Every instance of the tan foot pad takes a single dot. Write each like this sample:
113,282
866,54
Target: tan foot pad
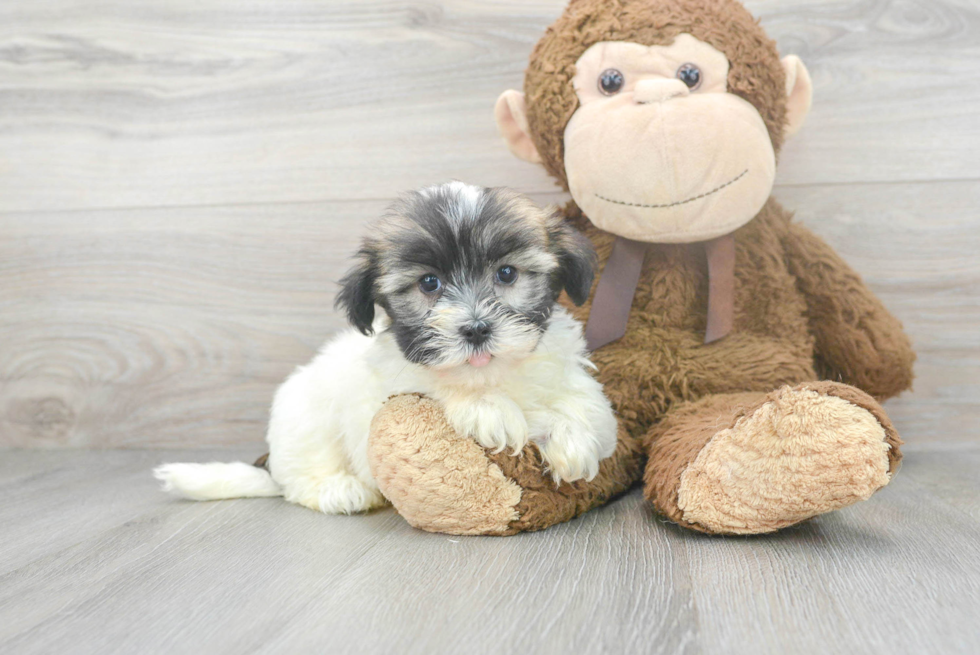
798,455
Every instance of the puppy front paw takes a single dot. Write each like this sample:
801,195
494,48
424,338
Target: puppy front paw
495,422
571,452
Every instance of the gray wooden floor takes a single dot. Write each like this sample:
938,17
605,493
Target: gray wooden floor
93,559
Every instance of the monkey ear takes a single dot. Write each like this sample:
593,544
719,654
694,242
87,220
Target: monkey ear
511,115
356,297
799,93
577,260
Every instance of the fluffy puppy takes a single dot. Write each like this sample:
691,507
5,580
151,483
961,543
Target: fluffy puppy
467,279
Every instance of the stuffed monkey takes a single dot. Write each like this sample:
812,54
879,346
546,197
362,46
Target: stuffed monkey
744,358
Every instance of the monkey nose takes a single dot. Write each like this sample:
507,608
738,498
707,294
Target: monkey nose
661,90
476,332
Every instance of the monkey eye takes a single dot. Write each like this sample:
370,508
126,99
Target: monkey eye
507,275
690,75
610,81
430,283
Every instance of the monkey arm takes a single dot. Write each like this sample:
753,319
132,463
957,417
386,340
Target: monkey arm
857,340
442,482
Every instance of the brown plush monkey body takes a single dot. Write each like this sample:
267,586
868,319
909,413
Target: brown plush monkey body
751,433
798,309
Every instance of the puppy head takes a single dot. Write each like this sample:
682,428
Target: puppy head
466,274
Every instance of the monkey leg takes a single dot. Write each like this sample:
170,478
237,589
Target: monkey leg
442,482
753,463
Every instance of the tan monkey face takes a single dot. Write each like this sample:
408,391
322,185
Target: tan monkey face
658,150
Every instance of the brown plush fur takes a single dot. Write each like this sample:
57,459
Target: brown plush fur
543,504
792,294
799,310
801,314
857,340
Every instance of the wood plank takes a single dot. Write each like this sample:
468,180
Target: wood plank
551,592
877,111
220,102
163,326
134,563
899,573
957,486
52,491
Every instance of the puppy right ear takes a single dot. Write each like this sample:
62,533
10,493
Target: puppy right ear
356,297
577,259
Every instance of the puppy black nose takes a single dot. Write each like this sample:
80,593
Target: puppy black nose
476,332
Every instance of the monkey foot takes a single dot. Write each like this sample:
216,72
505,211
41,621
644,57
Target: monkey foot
789,456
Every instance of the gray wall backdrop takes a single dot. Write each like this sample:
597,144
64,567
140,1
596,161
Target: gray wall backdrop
181,183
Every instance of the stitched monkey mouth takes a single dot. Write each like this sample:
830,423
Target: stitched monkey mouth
680,202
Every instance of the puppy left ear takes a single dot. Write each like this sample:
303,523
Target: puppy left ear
356,297
576,260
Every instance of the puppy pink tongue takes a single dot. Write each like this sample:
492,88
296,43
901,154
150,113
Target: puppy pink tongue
480,359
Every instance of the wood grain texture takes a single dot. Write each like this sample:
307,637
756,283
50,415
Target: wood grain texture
111,104
181,186
163,326
172,327
123,568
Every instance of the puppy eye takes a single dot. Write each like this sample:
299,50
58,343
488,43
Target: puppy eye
430,283
611,82
690,75
507,275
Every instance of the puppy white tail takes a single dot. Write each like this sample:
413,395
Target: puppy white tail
216,481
